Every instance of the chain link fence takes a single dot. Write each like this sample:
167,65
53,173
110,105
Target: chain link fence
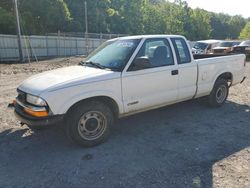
51,46
89,35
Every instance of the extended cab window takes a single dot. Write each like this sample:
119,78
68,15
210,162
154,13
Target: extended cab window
182,51
156,52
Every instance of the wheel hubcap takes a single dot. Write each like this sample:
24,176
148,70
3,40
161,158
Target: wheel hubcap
221,94
92,125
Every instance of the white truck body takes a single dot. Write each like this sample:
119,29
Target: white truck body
134,91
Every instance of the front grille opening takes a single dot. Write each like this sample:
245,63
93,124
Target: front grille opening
21,96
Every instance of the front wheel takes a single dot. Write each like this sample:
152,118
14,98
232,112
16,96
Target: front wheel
219,94
89,123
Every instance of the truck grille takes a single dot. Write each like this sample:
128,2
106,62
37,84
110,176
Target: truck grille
218,51
21,96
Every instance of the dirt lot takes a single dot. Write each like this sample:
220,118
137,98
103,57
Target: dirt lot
184,145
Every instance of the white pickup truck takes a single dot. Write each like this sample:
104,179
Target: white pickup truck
124,76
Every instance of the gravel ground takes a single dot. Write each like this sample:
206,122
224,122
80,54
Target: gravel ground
183,145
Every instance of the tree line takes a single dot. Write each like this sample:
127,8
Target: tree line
122,17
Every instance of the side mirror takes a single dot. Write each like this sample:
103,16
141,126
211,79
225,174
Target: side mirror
141,63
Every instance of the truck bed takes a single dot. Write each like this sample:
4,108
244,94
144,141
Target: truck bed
204,56
210,67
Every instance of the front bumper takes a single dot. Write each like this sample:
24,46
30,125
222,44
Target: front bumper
36,121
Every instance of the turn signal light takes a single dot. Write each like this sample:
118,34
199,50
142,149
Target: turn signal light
14,102
36,113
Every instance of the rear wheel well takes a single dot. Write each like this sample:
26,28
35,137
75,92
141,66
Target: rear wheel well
226,76
104,99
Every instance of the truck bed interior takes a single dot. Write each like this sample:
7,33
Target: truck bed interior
204,56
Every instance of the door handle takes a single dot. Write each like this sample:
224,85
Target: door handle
175,72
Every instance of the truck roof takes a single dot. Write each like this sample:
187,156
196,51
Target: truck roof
210,41
147,36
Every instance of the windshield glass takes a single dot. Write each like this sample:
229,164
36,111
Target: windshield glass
226,44
114,54
200,45
245,43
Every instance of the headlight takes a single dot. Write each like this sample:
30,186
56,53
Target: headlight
35,100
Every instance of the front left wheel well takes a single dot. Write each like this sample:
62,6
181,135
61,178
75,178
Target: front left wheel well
104,99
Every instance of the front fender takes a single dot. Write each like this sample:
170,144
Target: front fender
62,106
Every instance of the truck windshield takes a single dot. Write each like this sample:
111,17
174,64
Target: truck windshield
226,44
200,45
245,43
113,54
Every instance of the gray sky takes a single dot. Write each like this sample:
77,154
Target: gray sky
232,7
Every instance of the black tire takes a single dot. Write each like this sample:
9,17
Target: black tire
89,123
219,94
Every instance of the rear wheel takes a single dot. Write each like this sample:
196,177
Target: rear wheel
219,94
89,123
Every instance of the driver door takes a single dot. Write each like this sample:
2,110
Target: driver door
154,86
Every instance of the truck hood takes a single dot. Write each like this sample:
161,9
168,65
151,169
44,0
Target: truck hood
221,48
64,77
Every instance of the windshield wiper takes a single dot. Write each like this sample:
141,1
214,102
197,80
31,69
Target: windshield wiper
93,64
98,65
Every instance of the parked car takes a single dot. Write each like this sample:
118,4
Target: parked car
205,46
225,47
124,76
243,47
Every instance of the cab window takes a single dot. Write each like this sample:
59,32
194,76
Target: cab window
182,50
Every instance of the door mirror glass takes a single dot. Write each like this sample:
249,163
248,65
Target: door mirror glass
141,63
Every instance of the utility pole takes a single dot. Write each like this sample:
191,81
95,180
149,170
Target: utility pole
86,27
21,57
